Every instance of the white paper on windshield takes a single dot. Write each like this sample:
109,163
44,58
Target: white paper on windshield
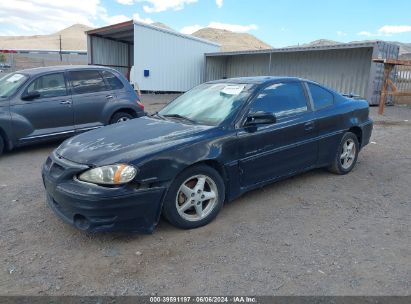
233,89
15,78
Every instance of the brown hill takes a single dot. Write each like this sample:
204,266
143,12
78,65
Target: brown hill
231,41
72,38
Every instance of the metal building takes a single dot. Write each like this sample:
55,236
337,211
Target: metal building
163,60
347,68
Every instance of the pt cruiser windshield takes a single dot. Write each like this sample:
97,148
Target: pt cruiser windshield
9,84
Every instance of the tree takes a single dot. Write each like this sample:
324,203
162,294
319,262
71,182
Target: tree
2,58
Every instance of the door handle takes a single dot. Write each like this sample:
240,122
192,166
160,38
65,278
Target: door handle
308,126
66,102
109,97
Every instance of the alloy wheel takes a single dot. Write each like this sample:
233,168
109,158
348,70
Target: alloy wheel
122,119
196,198
347,156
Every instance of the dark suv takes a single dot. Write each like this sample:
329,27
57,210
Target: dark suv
55,102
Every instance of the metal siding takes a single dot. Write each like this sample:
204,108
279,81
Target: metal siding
342,70
381,50
108,52
216,68
175,62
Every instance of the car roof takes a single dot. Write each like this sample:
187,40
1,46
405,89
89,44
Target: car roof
57,68
255,79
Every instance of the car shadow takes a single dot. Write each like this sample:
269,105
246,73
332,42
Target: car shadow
164,228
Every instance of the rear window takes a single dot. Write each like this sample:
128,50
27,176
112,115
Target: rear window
321,97
112,80
88,81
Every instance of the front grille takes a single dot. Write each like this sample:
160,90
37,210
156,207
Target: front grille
59,168
56,170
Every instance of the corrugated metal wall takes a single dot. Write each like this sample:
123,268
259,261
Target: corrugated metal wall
110,53
346,70
343,70
381,50
175,62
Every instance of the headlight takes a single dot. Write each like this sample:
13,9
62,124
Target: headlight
109,175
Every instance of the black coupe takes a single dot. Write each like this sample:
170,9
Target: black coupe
207,147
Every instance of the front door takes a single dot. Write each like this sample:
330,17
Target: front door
50,113
285,147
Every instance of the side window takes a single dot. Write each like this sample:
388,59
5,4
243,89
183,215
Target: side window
321,98
87,81
112,80
282,99
50,85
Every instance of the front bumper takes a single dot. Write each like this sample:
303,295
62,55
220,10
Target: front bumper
94,208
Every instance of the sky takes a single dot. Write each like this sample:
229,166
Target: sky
279,23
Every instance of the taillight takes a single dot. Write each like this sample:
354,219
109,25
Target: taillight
140,105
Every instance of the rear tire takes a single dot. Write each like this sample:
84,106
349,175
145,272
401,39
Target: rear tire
194,198
347,154
120,117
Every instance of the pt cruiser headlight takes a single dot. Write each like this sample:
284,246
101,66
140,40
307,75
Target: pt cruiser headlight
109,175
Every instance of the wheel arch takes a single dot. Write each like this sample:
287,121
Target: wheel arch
216,165
358,132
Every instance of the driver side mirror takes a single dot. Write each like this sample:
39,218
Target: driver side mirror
260,118
32,95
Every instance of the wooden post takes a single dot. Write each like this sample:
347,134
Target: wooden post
387,71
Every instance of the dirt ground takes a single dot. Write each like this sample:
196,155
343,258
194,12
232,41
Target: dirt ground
314,234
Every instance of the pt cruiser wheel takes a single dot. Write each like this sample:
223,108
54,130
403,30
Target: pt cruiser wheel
120,117
194,198
347,154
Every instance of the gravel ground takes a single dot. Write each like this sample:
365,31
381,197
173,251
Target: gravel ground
314,234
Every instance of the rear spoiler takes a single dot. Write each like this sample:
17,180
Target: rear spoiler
351,95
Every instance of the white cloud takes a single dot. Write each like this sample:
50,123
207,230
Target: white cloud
387,30
126,2
114,19
218,25
191,29
365,33
341,33
394,29
156,6
140,19
31,17
233,27
219,3
46,16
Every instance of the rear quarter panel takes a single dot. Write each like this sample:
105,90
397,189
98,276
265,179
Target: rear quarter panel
347,113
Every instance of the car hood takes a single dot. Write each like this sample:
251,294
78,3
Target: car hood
128,141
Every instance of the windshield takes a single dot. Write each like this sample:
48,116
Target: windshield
208,104
9,84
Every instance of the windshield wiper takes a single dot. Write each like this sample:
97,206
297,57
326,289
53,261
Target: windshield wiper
158,115
180,117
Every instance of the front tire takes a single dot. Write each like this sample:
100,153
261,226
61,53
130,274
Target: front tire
194,198
347,154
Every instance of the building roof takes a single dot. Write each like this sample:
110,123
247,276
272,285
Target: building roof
302,49
124,32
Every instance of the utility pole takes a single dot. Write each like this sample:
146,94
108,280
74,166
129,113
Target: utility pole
61,55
